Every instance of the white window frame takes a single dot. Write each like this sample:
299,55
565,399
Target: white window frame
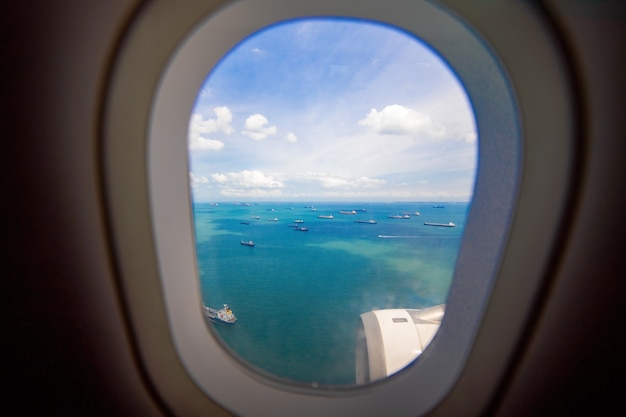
523,134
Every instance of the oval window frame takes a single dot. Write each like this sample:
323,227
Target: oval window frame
151,91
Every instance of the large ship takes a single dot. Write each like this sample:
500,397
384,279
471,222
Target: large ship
224,315
247,243
324,216
451,224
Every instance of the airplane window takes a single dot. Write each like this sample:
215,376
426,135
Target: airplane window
340,144
332,166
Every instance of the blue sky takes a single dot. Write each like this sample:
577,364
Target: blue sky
332,110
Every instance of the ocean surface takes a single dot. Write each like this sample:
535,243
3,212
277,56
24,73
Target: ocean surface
298,295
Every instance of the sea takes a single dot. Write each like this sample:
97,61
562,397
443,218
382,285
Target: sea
298,295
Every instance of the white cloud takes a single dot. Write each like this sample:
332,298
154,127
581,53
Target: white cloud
366,182
291,137
348,182
341,181
256,127
219,178
247,180
196,180
224,117
250,194
251,184
220,123
198,143
199,128
254,184
399,120
248,184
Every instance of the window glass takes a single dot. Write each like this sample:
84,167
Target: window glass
332,165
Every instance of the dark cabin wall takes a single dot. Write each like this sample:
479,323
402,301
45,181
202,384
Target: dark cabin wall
65,350
574,363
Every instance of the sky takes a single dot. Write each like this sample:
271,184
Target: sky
332,110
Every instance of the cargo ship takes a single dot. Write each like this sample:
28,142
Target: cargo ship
451,224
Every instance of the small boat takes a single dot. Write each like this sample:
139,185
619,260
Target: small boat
417,213
298,221
366,221
255,217
247,243
324,216
301,229
347,212
244,223
395,216
224,315
275,219
451,224
438,206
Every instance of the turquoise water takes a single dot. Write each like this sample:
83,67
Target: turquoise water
298,295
